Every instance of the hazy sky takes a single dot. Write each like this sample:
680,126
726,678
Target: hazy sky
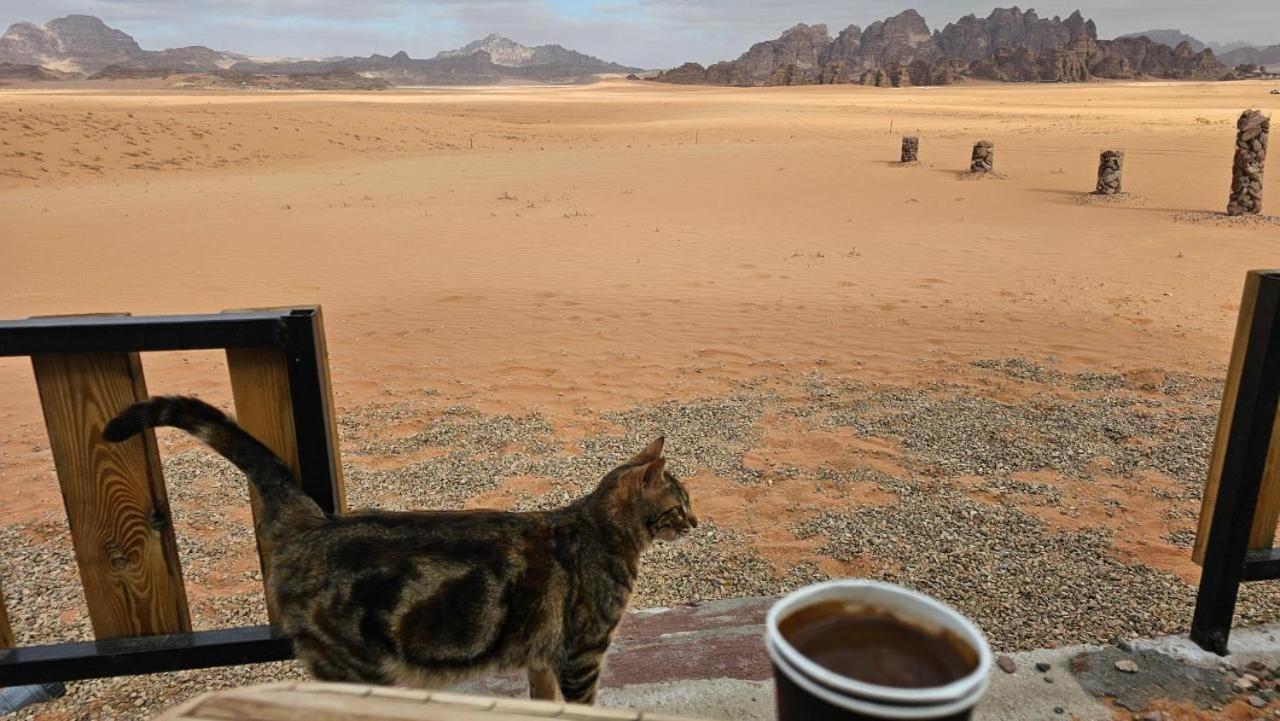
647,33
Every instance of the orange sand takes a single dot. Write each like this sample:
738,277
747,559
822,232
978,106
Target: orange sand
575,250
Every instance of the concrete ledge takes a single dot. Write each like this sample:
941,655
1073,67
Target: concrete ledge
709,660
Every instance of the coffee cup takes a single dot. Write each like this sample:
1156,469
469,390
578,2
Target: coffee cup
859,649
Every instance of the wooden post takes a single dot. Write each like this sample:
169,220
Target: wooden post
260,388
6,631
114,494
1263,532
265,405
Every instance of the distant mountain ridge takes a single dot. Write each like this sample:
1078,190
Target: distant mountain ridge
84,45
1008,45
508,53
1172,37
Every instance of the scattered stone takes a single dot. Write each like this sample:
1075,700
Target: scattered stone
1043,667
1257,666
1153,716
1246,682
1126,665
910,148
1059,710
983,159
1256,701
1110,170
1006,664
1252,130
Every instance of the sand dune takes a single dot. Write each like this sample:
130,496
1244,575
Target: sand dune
579,250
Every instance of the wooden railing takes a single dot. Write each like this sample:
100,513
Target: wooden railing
87,370
1237,529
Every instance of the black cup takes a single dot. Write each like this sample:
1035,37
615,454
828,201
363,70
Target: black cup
806,691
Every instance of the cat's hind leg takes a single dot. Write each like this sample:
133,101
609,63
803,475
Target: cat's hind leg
542,683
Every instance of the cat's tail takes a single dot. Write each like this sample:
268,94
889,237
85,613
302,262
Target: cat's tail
282,501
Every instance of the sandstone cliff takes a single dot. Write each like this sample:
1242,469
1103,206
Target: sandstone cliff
1009,45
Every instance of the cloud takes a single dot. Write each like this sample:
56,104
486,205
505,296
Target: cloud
648,33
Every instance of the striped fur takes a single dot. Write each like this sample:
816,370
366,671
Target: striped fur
426,598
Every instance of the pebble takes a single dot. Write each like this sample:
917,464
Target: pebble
1006,664
1059,710
1126,665
1246,682
1043,667
1256,701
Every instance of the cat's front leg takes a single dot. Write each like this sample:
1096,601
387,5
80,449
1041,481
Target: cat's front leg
542,683
578,677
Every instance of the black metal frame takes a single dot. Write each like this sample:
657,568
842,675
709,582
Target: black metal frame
291,330
1228,562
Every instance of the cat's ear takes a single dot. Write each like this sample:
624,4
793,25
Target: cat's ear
653,475
651,452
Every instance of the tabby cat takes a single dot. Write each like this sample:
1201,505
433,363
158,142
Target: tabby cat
426,598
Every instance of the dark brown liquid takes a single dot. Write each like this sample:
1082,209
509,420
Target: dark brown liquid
875,646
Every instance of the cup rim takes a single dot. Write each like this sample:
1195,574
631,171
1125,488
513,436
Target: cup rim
928,609
871,708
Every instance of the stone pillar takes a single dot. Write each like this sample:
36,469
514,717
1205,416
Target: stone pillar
984,157
910,148
1110,171
1251,153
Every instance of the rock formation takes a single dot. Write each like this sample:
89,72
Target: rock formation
983,159
910,148
80,43
505,52
1252,130
795,53
1007,45
1110,170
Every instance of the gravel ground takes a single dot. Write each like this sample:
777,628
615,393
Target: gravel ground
1029,584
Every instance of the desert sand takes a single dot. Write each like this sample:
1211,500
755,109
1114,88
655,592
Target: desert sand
576,252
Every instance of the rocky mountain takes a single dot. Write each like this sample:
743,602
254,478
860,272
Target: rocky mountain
505,52
1170,37
77,43
1268,56
86,46
1173,38
1009,44
11,71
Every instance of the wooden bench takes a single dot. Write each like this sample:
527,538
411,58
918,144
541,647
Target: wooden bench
88,369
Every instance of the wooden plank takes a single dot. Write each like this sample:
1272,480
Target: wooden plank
260,389
114,494
325,408
1263,532
331,412
347,702
6,631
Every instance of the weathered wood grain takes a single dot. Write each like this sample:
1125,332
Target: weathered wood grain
1263,532
114,494
350,702
260,388
331,413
